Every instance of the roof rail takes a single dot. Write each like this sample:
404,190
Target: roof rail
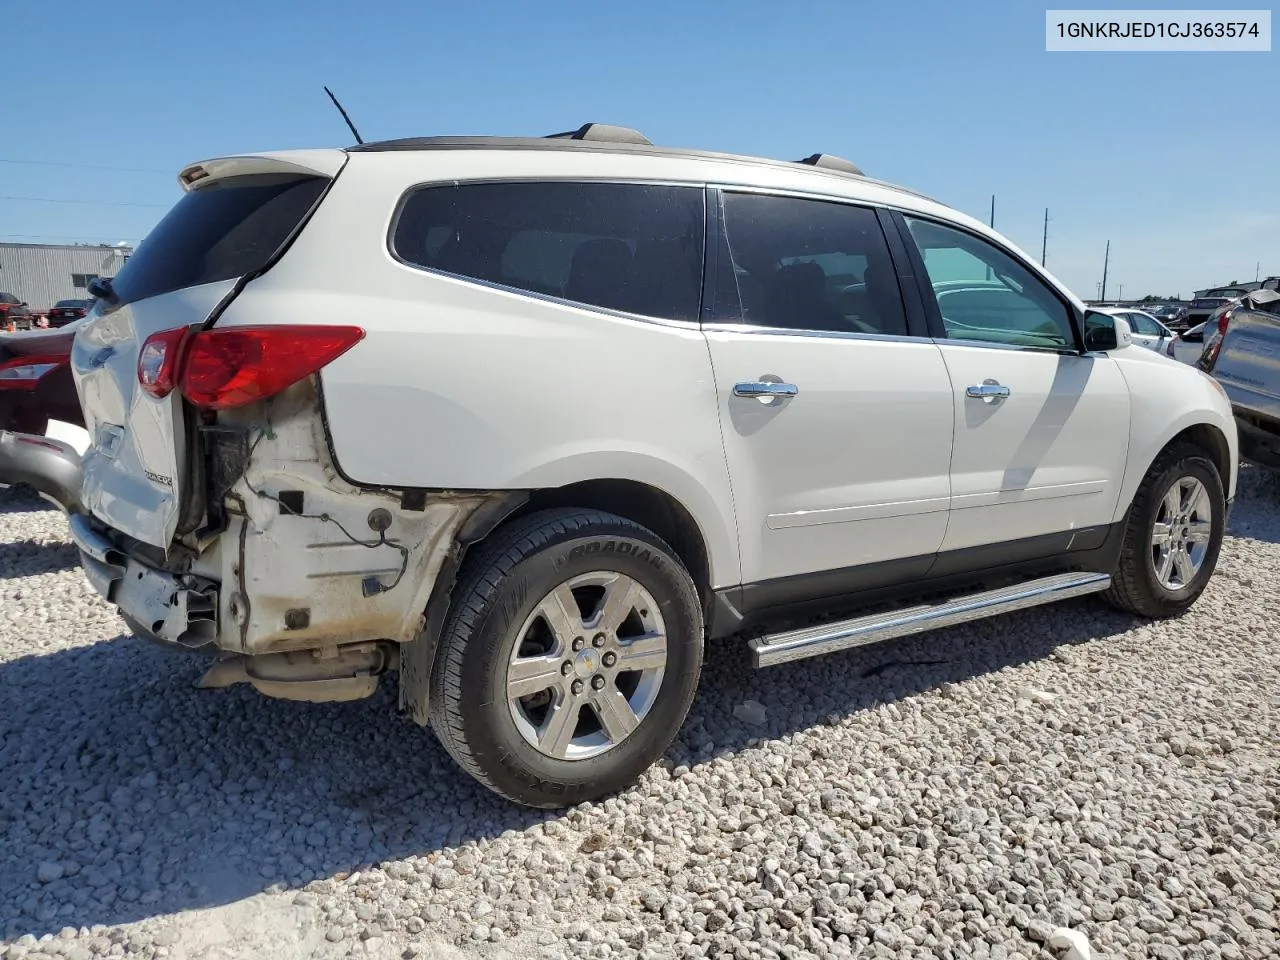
603,131
831,162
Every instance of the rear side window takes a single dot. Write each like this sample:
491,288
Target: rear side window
1143,325
632,247
218,231
798,264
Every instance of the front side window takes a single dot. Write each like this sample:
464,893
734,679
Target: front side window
797,264
636,248
984,294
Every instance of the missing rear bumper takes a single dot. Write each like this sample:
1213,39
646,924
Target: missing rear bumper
181,610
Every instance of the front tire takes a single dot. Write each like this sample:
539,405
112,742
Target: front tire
1172,536
569,658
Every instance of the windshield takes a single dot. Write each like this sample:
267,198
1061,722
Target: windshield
219,231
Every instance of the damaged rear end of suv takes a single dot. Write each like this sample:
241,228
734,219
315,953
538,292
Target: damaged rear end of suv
212,514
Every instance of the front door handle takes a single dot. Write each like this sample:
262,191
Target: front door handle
988,391
764,390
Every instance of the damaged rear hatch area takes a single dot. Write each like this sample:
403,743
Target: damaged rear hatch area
236,218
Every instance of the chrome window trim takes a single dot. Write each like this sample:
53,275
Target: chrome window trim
1064,351
747,329
407,192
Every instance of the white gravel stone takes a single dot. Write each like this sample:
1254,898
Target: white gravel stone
919,799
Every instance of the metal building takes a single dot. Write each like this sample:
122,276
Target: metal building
41,274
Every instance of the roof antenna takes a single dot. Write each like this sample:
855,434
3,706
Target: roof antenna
354,132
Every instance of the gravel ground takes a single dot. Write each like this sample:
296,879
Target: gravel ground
958,794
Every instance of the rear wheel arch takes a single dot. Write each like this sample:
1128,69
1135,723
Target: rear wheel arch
641,503
644,504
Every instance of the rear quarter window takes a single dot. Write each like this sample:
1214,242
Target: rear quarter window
636,248
218,231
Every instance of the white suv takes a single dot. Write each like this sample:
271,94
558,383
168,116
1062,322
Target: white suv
529,421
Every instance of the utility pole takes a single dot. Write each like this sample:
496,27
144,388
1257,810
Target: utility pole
1257,271
1103,295
1122,293
1044,243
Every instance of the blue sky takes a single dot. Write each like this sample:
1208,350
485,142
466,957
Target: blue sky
958,100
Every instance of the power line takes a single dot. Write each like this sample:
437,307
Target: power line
83,166
104,203
61,236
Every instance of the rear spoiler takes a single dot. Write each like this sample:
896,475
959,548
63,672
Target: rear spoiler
321,163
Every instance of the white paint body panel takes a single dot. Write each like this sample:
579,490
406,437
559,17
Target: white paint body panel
461,386
824,480
1049,458
133,468
1169,397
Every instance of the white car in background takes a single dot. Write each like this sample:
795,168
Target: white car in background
529,421
1146,330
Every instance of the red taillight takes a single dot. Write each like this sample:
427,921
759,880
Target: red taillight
238,365
229,367
1223,319
25,373
159,361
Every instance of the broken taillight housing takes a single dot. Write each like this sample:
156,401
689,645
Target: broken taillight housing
1224,318
1210,355
25,373
159,360
229,367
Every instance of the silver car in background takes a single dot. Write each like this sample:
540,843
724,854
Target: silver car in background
1186,347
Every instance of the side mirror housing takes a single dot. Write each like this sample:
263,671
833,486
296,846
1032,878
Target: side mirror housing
100,287
1104,333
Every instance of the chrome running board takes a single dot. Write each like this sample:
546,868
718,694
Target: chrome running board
860,631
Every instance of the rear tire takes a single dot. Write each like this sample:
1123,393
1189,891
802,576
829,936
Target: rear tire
569,658
1172,537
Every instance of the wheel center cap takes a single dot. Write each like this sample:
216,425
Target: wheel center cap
586,663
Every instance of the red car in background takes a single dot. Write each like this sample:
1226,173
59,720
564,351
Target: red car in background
37,392
14,311
35,380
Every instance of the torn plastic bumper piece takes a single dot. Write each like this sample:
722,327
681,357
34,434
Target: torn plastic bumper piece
50,467
179,610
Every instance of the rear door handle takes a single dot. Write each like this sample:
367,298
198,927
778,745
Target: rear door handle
988,391
765,391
